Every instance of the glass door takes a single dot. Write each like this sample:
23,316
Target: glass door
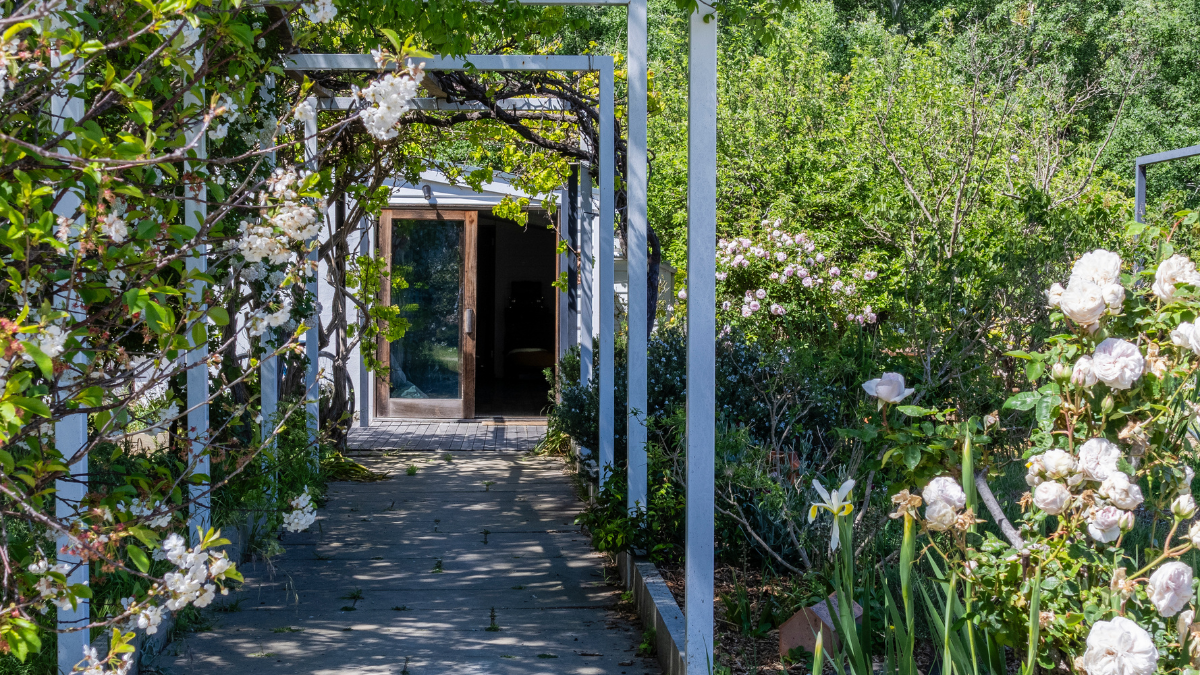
431,255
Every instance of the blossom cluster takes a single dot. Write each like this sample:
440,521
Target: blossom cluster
52,582
320,11
303,515
389,97
93,664
786,269
258,321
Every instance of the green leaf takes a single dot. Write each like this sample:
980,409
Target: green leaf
219,315
32,405
912,457
393,38
1034,370
138,556
44,363
145,535
1024,400
914,410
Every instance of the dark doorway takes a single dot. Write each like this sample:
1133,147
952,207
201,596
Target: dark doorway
516,331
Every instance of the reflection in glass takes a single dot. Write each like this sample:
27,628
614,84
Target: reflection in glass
427,260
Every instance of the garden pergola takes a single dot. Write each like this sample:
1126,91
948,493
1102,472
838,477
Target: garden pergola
70,434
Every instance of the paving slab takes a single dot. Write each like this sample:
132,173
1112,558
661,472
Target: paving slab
395,578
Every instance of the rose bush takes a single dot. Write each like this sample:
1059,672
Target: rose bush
1112,399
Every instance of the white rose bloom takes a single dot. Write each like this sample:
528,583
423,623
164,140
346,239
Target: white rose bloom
1058,464
1034,475
1117,363
1170,587
1083,304
1098,458
1184,507
1105,524
1194,534
1183,624
888,389
1174,270
1098,267
1083,375
940,516
1187,336
1114,295
1054,295
1051,497
946,490
1120,491
1119,647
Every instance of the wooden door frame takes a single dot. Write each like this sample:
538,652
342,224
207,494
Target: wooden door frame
463,407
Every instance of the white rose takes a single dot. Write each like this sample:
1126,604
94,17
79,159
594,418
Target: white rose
1119,647
1183,507
1083,304
1194,534
1105,524
1114,295
1120,491
1174,270
1170,587
1054,295
1183,625
940,516
1117,363
1098,267
1098,458
1051,497
1187,336
946,490
1083,375
888,389
1058,464
1034,475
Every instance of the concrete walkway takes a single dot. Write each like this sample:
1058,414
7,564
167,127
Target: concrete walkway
401,577
446,435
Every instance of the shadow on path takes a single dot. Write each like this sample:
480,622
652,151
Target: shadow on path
402,570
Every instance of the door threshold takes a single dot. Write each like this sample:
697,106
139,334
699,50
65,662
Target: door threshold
500,421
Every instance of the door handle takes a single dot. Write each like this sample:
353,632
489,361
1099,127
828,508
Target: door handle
469,321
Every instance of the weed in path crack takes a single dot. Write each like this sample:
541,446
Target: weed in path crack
411,470
230,607
485,535
437,567
493,627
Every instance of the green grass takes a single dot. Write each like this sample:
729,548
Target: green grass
411,470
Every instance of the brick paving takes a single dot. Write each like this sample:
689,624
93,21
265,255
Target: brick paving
446,435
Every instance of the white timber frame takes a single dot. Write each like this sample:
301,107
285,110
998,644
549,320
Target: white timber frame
195,213
635,257
701,337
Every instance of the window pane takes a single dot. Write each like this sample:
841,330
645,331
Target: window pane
427,261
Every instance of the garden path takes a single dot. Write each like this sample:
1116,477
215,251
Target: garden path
395,577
